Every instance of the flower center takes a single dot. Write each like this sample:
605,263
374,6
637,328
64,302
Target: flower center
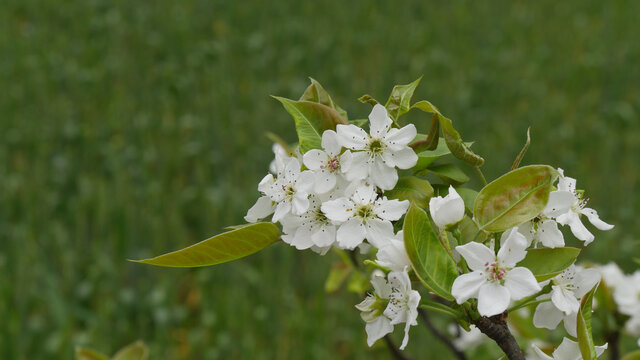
364,212
376,147
494,271
320,217
289,190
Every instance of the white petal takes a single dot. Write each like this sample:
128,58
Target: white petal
585,280
549,234
379,121
364,195
566,183
570,323
397,139
547,316
351,234
330,142
493,299
466,286
324,236
513,248
577,228
379,232
538,354
377,329
359,167
381,287
302,238
299,204
266,183
261,209
314,159
559,203
448,210
383,176
521,283
282,209
405,158
567,350
324,181
477,255
594,219
393,255
352,137
346,160
338,210
564,300
391,210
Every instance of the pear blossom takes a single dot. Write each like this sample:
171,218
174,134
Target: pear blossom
567,350
378,153
627,295
447,210
567,289
612,275
576,202
393,254
288,192
311,229
282,156
400,304
327,164
364,215
495,279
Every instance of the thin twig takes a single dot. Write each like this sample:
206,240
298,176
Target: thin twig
480,175
613,341
496,328
397,354
445,340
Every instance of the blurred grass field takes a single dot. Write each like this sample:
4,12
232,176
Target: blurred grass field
133,128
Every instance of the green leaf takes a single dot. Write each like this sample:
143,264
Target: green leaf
311,120
449,173
414,189
359,122
468,196
430,142
221,248
632,356
516,162
136,351
546,263
429,259
426,106
469,231
337,276
425,158
400,99
367,99
89,354
316,93
516,197
458,148
584,330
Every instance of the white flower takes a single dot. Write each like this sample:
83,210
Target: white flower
403,303
627,295
311,229
393,254
364,215
612,275
289,192
495,280
328,163
543,228
567,289
567,350
379,152
576,204
281,158
448,210
372,308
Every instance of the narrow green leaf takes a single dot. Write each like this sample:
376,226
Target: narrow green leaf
516,197
337,276
516,162
458,148
426,106
89,354
311,120
414,189
429,259
584,330
426,158
399,101
546,263
632,356
449,173
367,99
316,93
221,248
136,351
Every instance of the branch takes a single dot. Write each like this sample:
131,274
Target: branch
397,354
445,340
496,328
613,341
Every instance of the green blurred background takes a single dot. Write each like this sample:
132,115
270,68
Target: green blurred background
131,128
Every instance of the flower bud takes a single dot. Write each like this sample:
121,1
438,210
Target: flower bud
448,210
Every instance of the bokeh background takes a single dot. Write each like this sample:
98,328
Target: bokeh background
131,128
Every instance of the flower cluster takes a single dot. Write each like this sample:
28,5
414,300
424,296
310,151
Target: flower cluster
626,294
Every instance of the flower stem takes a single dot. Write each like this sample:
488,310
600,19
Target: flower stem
443,309
480,175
